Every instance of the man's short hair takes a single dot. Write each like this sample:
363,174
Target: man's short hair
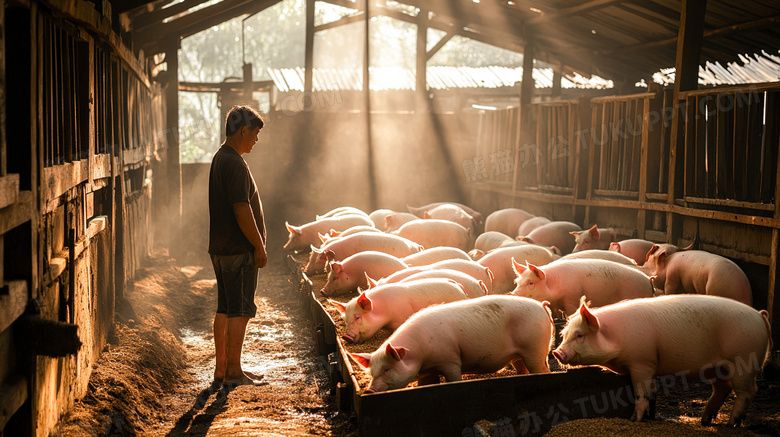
240,116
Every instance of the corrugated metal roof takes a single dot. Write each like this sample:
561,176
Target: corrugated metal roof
759,68
439,78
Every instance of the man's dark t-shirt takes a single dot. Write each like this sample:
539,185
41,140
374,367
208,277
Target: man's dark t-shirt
230,181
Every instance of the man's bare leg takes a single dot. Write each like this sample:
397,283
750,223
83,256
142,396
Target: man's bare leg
220,332
234,341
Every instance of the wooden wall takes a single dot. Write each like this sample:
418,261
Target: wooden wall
618,162
79,136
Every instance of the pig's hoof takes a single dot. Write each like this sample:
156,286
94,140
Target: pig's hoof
706,421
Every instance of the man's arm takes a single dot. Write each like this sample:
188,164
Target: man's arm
246,221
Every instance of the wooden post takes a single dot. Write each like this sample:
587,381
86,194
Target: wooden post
583,155
772,303
308,75
524,116
372,192
689,41
421,84
174,158
556,92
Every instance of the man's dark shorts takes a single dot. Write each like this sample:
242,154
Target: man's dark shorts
236,283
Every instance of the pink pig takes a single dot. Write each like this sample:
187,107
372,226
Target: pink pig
389,305
602,254
342,247
452,213
531,224
301,237
499,261
475,336
348,275
471,268
564,282
420,211
340,211
490,240
700,272
435,233
635,249
506,221
472,287
690,336
593,238
378,217
553,234
434,254
395,220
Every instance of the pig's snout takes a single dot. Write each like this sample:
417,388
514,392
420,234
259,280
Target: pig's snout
348,337
560,356
369,390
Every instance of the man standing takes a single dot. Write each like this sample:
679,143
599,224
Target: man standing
236,242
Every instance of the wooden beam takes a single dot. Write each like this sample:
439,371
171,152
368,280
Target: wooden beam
579,9
435,49
173,153
372,188
356,18
48,338
12,395
308,75
159,15
421,77
122,6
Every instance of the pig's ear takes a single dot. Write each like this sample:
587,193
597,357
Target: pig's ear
662,256
490,273
363,359
397,353
426,215
588,317
576,233
690,246
331,255
315,249
651,251
334,233
614,247
525,238
517,267
292,229
323,237
555,250
339,306
371,283
537,271
484,287
364,302
335,266
594,232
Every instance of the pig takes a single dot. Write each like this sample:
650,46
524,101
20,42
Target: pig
435,233
553,234
348,275
670,249
389,305
593,238
689,336
378,217
635,249
602,254
564,282
506,221
531,224
343,210
700,272
499,261
476,271
474,336
301,237
341,247
472,287
434,254
395,220
490,240
476,215
452,213
353,230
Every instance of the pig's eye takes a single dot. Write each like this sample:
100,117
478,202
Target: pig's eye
357,318
578,335
530,282
385,370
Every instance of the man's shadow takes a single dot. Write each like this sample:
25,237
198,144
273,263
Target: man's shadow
196,421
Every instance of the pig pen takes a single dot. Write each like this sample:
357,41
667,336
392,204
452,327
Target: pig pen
478,405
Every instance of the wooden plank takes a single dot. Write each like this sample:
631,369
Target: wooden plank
755,129
731,203
12,306
739,146
771,134
747,88
9,190
614,146
725,179
308,62
652,138
689,145
699,167
13,394
712,146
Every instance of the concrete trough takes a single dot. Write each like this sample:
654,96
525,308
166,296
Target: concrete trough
525,404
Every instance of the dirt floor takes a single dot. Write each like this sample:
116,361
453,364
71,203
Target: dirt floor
154,377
